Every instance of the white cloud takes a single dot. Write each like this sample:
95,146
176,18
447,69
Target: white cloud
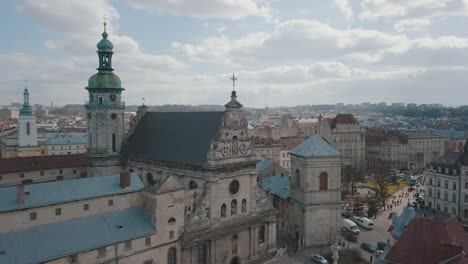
204,9
408,25
344,7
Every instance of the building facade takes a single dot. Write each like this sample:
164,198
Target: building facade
268,148
66,143
286,145
386,149
423,148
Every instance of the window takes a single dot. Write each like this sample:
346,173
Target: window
113,143
298,178
128,244
1,177
438,182
58,211
446,184
223,211
102,252
33,216
21,175
323,182
74,258
446,196
171,235
244,206
85,207
204,254
234,207
261,234
100,100
234,240
430,181
193,185
438,194
28,128
172,256
454,186
90,140
110,202
171,221
465,213
466,184
69,147
60,171
430,192
74,171
466,198
149,261
148,241
438,206
42,173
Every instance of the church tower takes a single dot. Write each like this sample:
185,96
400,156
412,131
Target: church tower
105,112
27,127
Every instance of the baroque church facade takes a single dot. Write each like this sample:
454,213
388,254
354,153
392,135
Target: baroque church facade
206,159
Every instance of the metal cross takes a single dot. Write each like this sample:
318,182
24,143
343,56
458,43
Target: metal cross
105,23
143,100
234,79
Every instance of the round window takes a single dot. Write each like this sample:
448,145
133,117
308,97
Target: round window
234,187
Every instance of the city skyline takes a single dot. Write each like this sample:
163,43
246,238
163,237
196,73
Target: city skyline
180,53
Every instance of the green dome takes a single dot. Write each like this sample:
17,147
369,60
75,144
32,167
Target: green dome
104,44
104,80
26,111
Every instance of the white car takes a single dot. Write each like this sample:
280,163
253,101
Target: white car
319,259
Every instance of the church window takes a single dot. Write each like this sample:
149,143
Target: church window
28,128
172,256
223,211
150,179
193,185
234,244
171,221
323,181
244,206
100,100
113,143
298,178
234,207
171,234
261,234
234,187
148,241
204,254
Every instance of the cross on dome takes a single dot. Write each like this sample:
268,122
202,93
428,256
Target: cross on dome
234,79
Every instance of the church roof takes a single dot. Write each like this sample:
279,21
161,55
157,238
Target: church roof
174,137
276,184
315,146
47,242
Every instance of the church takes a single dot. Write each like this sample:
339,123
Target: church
226,217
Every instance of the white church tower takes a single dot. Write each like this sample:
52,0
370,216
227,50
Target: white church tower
105,112
315,192
27,126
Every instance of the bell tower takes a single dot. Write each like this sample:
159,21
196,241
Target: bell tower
105,113
27,127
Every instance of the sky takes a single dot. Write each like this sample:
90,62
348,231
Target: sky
283,52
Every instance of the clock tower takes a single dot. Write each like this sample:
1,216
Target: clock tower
105,114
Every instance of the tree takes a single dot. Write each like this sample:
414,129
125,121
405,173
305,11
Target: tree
350,178
381,178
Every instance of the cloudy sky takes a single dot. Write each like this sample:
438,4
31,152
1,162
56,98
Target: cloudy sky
284,52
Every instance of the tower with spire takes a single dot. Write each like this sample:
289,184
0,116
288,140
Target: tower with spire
105,113
27,125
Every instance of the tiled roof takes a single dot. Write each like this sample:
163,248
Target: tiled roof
277,184
290,142
315,146
66,138
428,240
52,241
66,191
174,137
347,119
23,164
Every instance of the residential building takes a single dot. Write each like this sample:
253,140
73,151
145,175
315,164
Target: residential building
443,185
66,143
286,145
423,148
386,149
306,126
268,148
464,184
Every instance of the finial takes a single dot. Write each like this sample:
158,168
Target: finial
105,23
234,79
143,99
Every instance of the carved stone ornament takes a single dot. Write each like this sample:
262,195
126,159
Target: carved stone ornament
225,151
243,148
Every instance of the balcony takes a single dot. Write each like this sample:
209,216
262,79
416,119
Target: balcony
115,105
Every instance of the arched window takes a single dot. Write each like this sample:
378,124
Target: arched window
244,206
28,128
193,185
223,211
234,240
323,182
234,207
235,260
150,179
261,234
298,178
172,256
171,221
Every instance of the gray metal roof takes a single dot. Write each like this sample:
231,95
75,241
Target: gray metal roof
52,241
175,137
65,191
315,146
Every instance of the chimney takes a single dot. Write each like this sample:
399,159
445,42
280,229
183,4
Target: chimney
20,194
124,179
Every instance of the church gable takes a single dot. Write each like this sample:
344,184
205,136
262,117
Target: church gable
169,185
174,137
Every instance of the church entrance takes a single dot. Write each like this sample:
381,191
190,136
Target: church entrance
235,260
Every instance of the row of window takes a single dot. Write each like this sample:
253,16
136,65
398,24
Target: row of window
70,147
446,184
58,211
234,208
41,173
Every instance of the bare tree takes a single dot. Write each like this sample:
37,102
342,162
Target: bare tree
350,178
382,179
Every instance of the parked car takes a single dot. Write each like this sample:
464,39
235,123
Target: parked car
346,214
368,247
319,259
381,245
348,235
364,222
350,226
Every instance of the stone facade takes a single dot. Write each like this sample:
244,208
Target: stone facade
423,148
